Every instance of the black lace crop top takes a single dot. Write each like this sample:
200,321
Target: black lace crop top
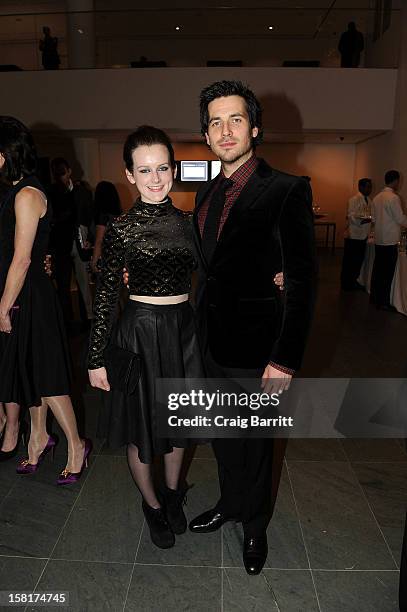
154,242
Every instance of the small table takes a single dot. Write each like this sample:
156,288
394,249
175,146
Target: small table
328,225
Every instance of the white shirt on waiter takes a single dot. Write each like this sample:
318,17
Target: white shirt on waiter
388,217
358,207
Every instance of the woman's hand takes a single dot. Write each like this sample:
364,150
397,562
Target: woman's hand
279,280
126,277
94,262
98,379
5,322
48,265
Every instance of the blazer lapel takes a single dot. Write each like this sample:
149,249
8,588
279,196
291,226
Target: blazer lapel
199,200
247,198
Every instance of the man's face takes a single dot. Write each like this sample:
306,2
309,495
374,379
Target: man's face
366,189
229,133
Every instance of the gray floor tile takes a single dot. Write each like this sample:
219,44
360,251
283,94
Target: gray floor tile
17,574
271,591
174,589
373,450
190,549
315,449
92,587
286,547
385,486
339,529
204,451
8,477
113,452
31,518
106,522
357,591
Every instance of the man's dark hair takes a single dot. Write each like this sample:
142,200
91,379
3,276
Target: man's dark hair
146,135
222,89
391,176
59,166
364,182
17,147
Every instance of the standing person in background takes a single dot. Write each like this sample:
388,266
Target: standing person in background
49,49
358,229
388,218
350,46
107,207
71,238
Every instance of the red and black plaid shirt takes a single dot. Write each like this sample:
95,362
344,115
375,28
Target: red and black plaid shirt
240,177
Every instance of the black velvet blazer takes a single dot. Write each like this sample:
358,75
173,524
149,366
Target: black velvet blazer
243,317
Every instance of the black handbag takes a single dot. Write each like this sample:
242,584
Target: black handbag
123,369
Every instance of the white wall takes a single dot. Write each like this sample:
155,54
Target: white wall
331,168
293,99
389,151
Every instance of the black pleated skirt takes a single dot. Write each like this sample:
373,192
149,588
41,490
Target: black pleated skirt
165,336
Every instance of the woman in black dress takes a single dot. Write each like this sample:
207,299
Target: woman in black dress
34,359
153,240
9,413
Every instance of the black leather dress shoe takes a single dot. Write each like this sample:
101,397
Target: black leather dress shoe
255,552
209,521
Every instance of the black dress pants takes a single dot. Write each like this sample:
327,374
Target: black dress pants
244,466
353,256
382,275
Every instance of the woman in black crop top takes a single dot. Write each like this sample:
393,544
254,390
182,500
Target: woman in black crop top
153,240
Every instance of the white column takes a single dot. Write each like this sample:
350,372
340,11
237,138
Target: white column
88,157
81,34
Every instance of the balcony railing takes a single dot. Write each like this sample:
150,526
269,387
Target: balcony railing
194,36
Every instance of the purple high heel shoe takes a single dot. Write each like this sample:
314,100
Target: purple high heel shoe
66,477
25,467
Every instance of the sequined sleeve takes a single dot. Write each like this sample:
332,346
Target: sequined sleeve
107,294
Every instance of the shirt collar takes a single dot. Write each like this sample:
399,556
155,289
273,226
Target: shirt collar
243,172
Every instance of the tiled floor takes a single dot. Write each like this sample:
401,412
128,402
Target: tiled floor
335,538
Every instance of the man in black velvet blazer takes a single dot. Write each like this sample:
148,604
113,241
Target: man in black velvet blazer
248,229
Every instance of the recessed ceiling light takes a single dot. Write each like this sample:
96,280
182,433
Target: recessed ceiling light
271,27
177,28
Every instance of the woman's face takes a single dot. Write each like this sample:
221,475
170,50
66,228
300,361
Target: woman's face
152,173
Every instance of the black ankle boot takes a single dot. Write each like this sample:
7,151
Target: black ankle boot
160,530
172,501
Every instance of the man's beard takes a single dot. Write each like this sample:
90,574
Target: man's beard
236,154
